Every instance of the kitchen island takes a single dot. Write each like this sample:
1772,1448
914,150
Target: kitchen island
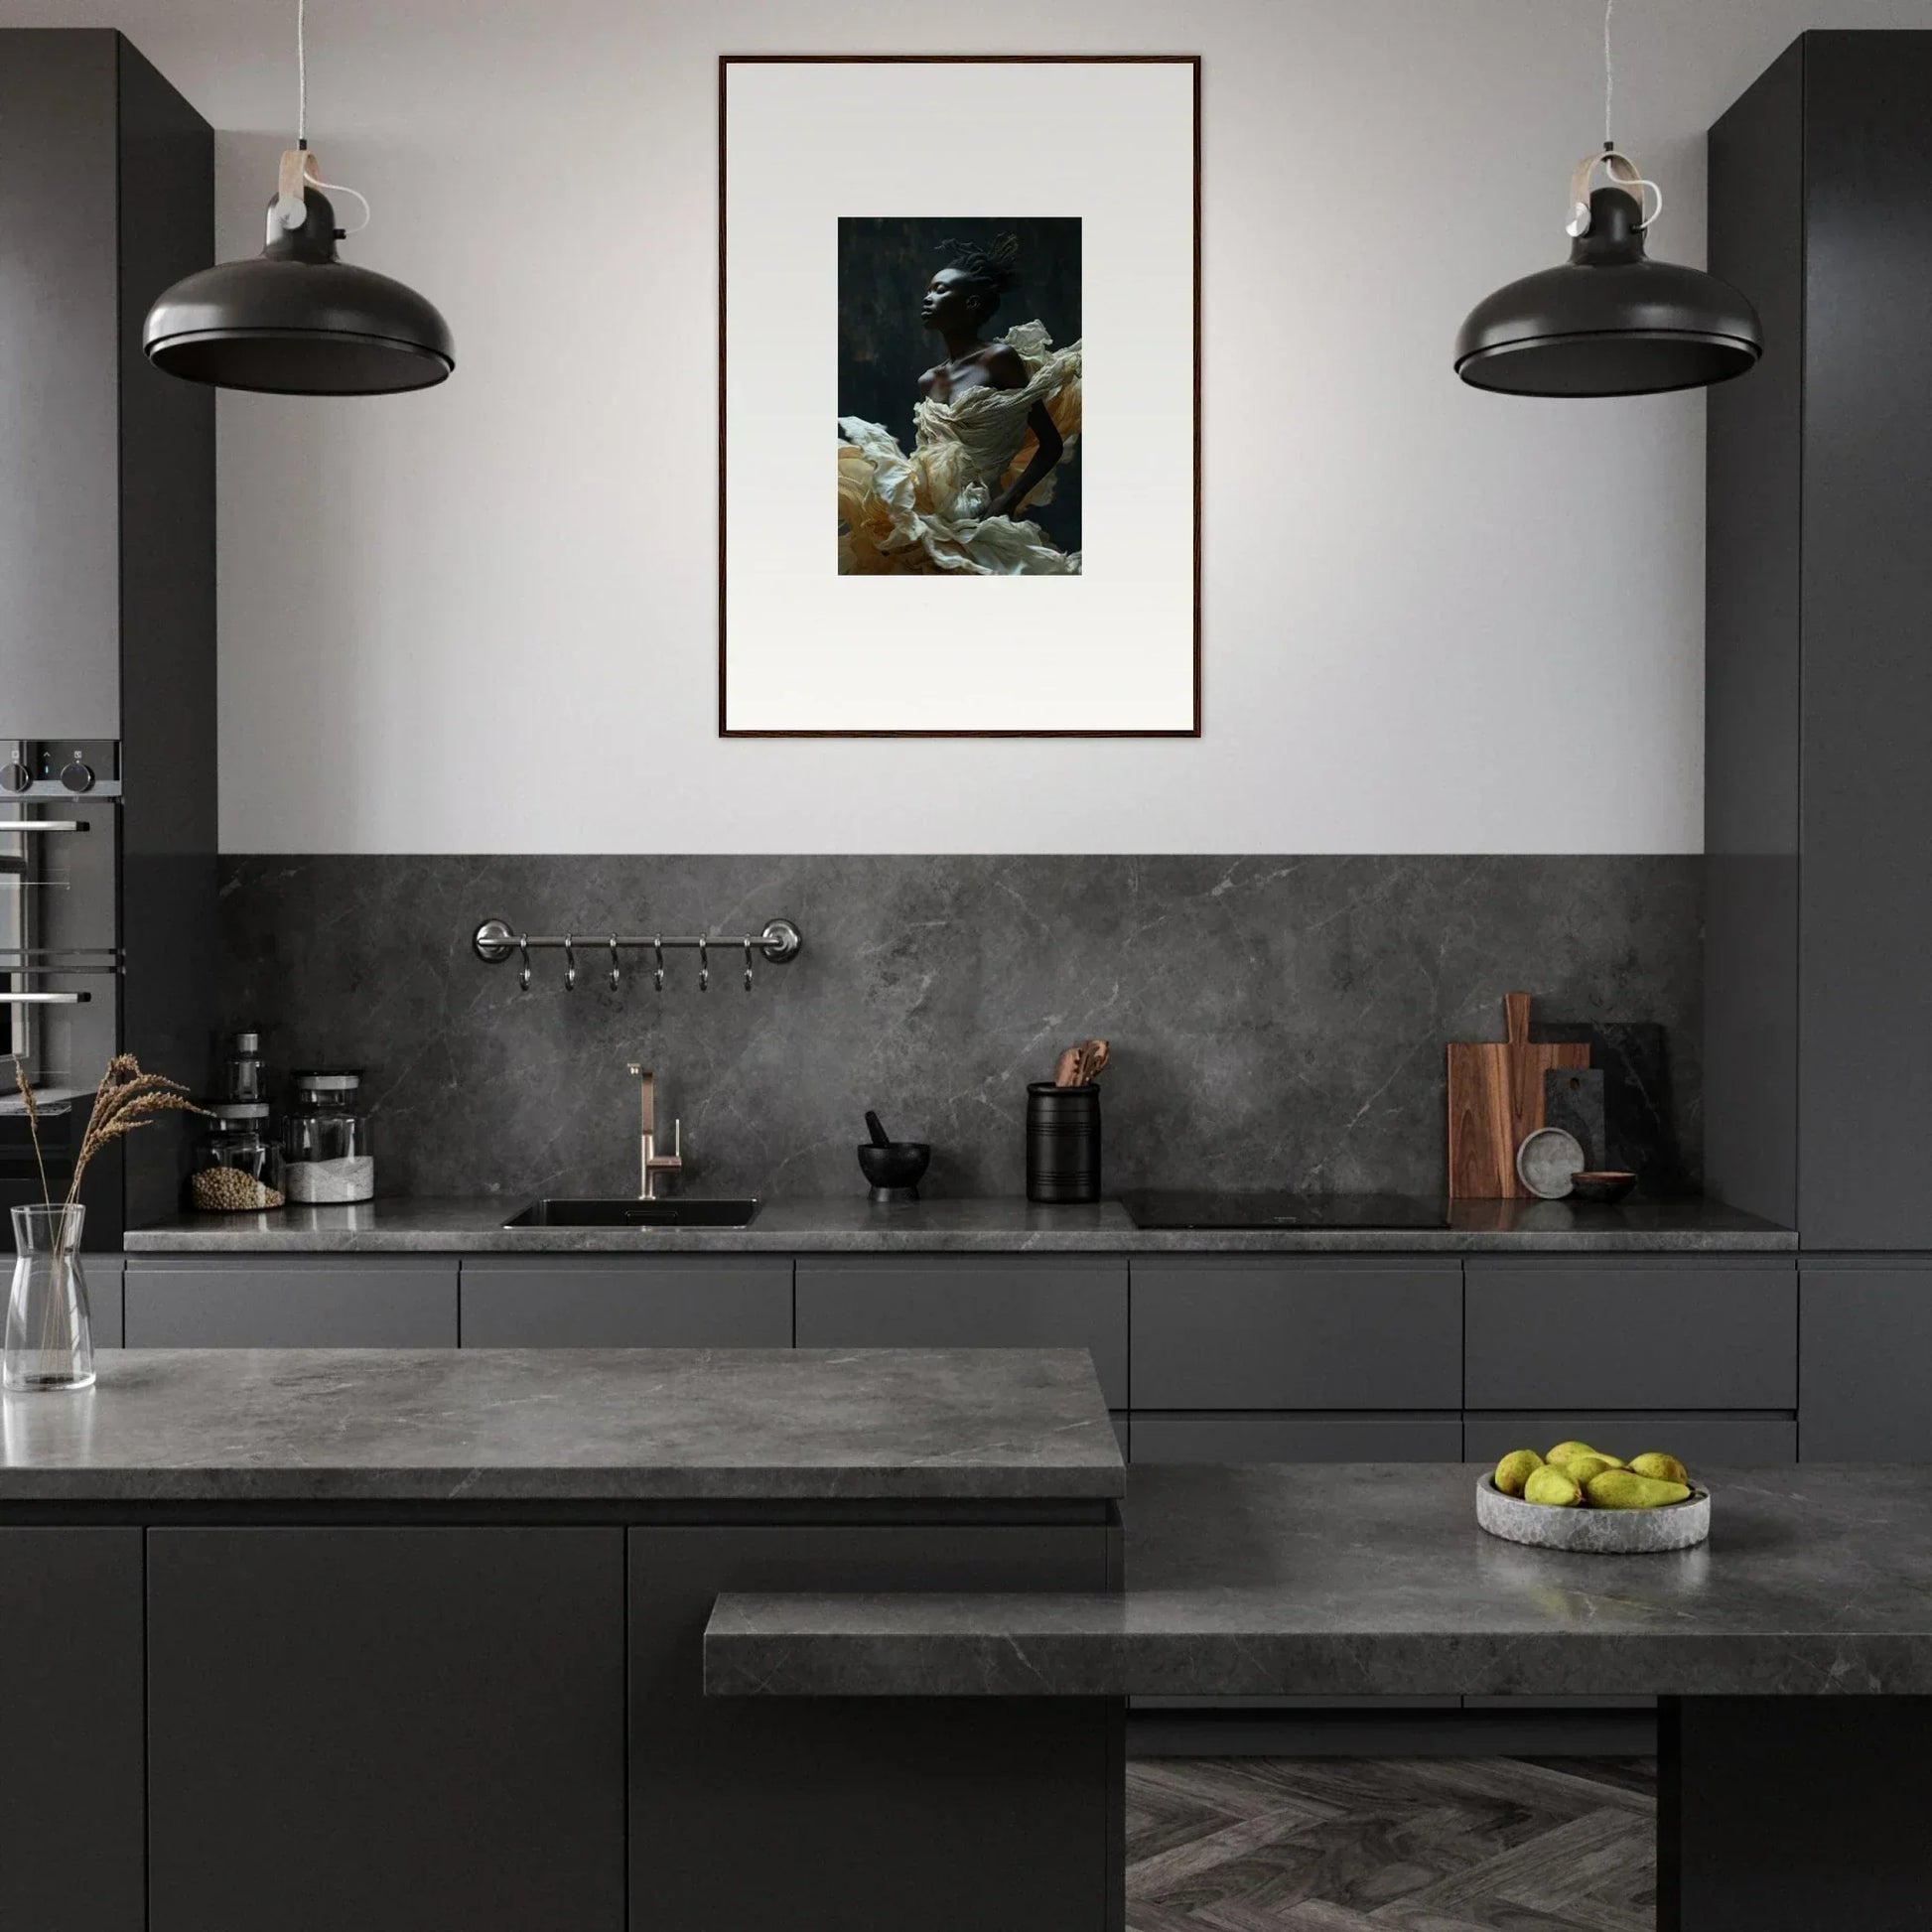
1793,1651
413,1639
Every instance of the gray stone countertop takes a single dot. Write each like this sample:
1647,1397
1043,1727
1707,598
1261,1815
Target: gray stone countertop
1373,1578
577,1426
851,1225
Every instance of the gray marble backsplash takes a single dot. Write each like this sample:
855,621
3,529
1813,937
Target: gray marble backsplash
1275,1022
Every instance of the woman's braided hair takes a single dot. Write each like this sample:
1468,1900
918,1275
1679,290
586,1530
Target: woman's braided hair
990,270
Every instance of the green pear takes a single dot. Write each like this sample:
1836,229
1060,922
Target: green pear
1579,1468
1515,1469
1625,1489
1666,1468
1549,1485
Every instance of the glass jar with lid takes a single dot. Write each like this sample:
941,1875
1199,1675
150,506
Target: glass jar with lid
237,1163
329,1153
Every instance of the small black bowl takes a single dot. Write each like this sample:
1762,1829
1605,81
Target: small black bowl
894,1168
1605,1185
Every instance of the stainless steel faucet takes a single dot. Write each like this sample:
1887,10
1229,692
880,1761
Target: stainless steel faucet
650,1163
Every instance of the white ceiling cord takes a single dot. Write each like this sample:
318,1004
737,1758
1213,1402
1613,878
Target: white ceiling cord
1609,73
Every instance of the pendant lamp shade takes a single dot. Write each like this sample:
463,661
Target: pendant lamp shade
1608,321
299,320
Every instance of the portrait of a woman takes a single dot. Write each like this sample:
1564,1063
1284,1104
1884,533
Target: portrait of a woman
995,423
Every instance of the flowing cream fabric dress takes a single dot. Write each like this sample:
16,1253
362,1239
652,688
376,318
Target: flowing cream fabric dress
924,513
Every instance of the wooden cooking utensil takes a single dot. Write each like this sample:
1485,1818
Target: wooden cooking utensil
1495,1099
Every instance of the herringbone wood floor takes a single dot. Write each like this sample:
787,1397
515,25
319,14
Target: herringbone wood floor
1390,1844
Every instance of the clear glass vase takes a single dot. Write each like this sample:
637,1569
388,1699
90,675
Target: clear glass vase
50,1336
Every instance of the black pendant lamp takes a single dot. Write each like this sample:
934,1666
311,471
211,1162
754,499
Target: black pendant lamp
297,320
1608,321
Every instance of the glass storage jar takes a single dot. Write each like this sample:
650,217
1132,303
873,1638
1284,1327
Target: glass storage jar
238,1167
327,1142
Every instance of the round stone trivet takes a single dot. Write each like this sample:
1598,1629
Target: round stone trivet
1546,1162
1598,1532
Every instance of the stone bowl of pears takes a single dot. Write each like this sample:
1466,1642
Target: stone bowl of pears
1583,1499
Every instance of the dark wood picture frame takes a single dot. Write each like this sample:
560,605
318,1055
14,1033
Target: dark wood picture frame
727,60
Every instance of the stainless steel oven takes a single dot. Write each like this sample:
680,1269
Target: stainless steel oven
60,956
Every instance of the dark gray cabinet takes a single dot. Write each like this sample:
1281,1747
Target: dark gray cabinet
667,1302
104,1273
949,1302
395,1729
1270,1332
106,467
1819,708
59,515
1735,1441
291,1302
1298,1438
1555,1332
72,1830
1865,1345
756,1812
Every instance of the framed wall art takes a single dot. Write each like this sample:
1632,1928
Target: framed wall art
959,301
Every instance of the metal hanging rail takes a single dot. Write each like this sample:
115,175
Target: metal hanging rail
495,940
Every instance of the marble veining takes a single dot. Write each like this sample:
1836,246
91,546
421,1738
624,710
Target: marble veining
1007,1226
1275,1021
1373,1580
555,1425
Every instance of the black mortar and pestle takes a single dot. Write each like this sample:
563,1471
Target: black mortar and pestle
892,1167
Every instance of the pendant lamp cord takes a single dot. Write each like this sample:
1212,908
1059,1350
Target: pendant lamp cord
1609,74
288,209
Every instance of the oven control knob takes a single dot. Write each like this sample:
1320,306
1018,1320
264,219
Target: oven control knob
77,777
15,776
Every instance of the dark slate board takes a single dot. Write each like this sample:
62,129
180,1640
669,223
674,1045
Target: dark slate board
1634,1058
1573,1099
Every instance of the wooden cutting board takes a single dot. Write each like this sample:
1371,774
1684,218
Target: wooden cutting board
1495,1099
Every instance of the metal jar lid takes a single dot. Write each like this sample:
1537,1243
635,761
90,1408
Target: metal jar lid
342,1079
238,1110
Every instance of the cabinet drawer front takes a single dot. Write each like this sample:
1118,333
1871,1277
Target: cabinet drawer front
1867,1364
701,1302
321,1707
104,1273
1018,1301
256,1305
1298,1438
1693,1335
1236,1334
1721,1441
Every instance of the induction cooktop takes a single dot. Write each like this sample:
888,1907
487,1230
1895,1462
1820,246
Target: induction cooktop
1157,1209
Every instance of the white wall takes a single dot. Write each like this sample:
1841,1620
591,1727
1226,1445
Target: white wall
483,618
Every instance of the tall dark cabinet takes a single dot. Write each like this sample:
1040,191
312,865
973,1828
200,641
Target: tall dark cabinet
1819,736
1819,747
107,694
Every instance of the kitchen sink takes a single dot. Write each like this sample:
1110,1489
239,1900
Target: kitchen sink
634,1213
